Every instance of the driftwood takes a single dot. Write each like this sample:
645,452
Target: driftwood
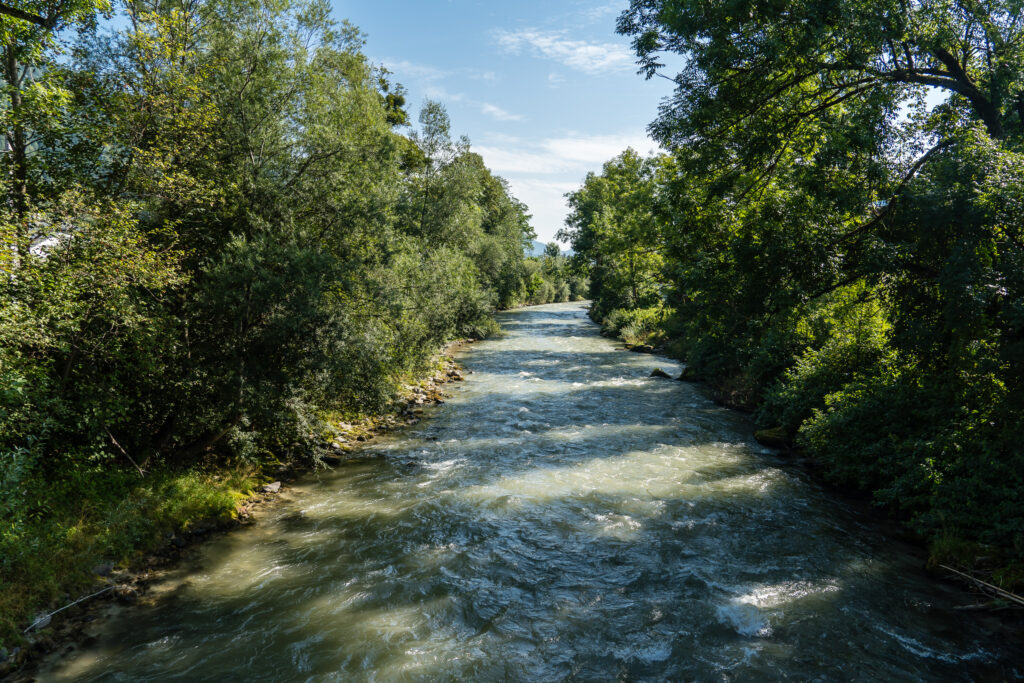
44,620
1007,595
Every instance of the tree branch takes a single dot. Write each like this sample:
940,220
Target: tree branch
124,452
48,23
891,202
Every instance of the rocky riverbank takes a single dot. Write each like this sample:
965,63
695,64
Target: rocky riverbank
78,620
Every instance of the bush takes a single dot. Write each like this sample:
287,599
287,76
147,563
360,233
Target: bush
635,326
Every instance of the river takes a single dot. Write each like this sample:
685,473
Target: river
563,517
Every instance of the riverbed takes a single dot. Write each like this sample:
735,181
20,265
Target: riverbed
563,517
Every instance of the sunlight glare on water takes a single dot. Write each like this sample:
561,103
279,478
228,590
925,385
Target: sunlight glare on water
564,516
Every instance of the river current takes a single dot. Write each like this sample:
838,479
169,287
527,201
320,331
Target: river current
563,517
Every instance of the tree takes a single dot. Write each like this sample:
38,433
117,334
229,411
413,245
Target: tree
770,69
34,99
615,233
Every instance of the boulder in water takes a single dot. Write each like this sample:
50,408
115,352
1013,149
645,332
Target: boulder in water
661,374
776,437
272,488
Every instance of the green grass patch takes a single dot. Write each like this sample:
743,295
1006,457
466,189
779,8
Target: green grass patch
50,546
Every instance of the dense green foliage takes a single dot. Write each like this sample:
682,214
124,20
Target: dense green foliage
216,237
551,278
824,246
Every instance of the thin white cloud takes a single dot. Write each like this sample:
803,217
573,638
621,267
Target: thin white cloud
499,114
403,68
540,172
440,94
592,58
546,202
568,154
555,79
488,77
611,10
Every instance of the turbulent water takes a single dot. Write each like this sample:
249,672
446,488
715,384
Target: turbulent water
563,516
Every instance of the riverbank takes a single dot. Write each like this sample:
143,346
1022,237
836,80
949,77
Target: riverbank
546,524
170,513
993,572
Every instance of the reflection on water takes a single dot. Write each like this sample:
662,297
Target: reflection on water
562,517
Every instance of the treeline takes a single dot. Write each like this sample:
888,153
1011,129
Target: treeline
834,239
218,235
552,278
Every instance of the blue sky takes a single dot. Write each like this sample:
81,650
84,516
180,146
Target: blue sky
545,91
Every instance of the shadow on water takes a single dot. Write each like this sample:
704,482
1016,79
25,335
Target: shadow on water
564,517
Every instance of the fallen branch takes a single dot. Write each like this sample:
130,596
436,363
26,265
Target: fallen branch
44,621
125,453
999,591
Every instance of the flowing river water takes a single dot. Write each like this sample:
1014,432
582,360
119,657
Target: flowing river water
562,517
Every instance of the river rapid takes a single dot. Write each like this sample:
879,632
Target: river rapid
563,517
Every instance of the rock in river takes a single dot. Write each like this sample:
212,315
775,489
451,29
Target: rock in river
776,437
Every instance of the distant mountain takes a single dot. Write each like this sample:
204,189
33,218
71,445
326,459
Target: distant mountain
536,248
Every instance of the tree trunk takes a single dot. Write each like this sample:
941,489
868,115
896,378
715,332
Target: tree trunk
207,440
17,140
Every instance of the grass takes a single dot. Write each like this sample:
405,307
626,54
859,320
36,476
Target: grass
48,553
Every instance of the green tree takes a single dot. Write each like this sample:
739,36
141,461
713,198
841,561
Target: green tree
35,103
616,234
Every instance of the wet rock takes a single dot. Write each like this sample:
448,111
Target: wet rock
178,542
272,488
126,595
641,348
659,373
44,645
776,437
103,569
331,460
